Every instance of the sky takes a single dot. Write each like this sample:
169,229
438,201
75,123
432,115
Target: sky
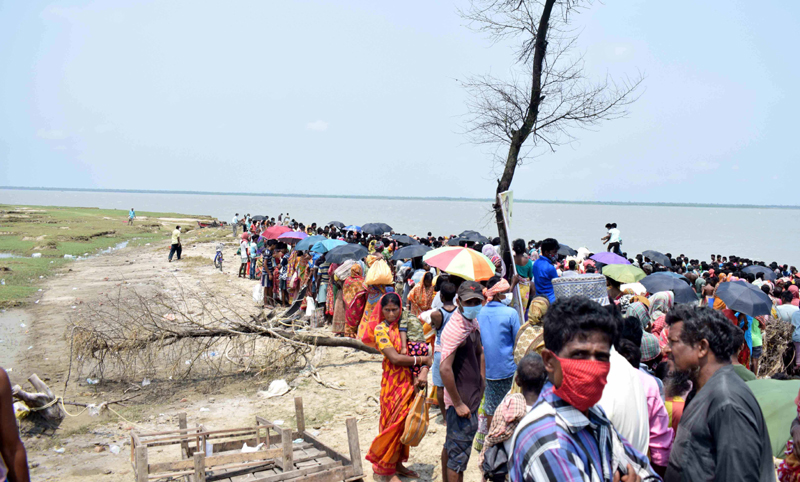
364,98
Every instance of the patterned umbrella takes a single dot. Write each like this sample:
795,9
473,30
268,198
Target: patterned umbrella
275,231
464,262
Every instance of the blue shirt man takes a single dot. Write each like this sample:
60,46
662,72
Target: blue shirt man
543,270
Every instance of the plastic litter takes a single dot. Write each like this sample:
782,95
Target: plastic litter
37,255
93,410
278,422
59,451
92,381
209,448
246,449
2,281
204,409
314,433
22,325
297,441
258,294
276,389
114,449
145,382
69,256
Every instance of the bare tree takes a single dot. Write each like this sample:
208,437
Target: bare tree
547,95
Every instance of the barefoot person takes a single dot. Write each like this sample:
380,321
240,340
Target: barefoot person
386,453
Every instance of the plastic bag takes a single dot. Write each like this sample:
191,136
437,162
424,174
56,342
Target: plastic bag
379,274
311,305
258,294
416,421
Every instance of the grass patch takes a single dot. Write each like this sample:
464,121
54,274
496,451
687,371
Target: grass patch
53,232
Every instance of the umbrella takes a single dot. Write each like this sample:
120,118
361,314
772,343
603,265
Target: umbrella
623,273
307,243
464,233
403,239
347,251
776,399
326,245
258,218
376,229
455,241
275,231
565,250
660,282
408,252
338,224
659,258
474,237
353,227
290,236
768,273
744,297
463,262
609,258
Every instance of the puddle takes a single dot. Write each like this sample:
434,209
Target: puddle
121,245
9,255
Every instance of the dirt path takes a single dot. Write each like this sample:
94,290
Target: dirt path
223,405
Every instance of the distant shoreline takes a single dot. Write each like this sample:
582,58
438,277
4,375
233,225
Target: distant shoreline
403,198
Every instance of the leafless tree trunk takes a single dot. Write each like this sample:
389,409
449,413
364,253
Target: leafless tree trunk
547,95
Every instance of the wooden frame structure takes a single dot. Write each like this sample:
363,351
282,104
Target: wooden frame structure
215,455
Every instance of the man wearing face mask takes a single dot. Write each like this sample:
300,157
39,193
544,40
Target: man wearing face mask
499,326
543,270
566,435
463,373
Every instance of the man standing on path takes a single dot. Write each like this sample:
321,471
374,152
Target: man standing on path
235,223
499,326
463,372
131,217
176,244
544,272
722,434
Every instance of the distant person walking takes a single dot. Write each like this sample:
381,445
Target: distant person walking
176,244
131,216
235,223
613,238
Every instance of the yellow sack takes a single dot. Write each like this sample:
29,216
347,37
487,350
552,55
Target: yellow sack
417,420
379,274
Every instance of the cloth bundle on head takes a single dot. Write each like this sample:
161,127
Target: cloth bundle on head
500,287
590,285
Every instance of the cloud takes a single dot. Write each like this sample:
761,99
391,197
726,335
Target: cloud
619,51
735,168
51,134
319,126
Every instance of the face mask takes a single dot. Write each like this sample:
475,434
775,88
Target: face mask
471,312
507,299
583,382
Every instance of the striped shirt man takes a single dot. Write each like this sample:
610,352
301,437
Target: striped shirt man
557,442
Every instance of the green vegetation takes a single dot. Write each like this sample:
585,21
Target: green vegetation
57,231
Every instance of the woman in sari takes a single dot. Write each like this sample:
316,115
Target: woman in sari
524,267
338,310
530,337
354,296
421,296
660,304
386,453
374,295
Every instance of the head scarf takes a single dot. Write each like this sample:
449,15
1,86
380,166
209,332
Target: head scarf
794,290
537,309
660,304
639,311
500,287
491,252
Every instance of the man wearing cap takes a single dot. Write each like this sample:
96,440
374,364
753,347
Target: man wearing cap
463,373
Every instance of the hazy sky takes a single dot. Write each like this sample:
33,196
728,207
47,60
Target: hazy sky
361,97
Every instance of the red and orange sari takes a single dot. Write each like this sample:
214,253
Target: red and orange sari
397,393
354,295
420,298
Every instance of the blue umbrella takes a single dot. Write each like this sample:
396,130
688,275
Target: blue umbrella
744,297
326,245
353,227
307,243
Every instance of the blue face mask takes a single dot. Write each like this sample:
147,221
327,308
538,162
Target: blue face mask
471,312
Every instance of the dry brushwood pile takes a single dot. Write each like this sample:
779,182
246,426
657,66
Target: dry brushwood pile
175,332
778,349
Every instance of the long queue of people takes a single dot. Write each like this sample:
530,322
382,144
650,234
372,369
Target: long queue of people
598,380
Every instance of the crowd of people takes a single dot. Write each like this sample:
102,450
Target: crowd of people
550,370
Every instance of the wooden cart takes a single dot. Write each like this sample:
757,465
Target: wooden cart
216,455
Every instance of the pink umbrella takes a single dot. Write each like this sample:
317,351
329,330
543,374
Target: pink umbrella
275,231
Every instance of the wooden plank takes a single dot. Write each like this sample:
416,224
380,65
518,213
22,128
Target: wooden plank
216,460
317,443
184,443
199,432
141,464
229,473
330,475
296,474
355,448
199,467
288,450
298,413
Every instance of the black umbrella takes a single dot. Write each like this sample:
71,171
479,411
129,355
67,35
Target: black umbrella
258,218
744,297
468,232
565,250
338,224
659,282
376,229
659,258
403,239
455,241
474,237
768,273
348,251
408,252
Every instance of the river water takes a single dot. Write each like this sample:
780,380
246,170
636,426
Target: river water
759,233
